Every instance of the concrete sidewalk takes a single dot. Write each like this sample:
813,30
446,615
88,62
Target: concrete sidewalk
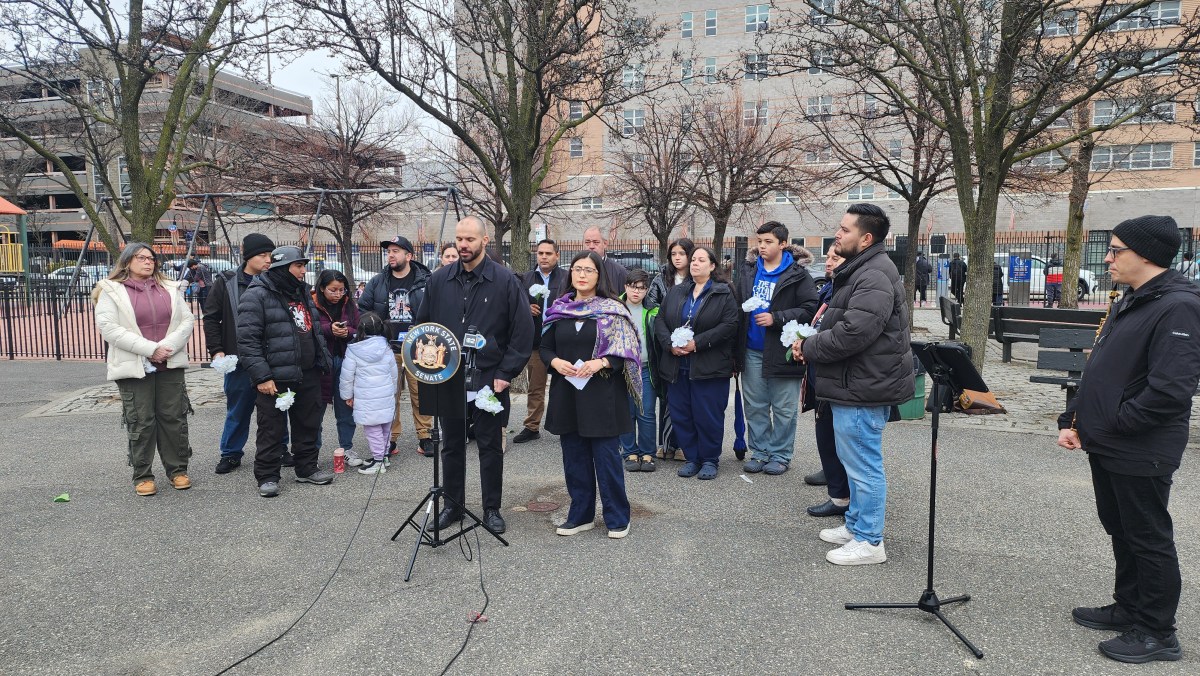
720,577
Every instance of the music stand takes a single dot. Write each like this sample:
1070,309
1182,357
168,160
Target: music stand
949,364
440,380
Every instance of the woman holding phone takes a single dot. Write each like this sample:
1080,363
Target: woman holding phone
339,324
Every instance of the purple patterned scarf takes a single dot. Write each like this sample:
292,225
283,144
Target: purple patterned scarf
616,335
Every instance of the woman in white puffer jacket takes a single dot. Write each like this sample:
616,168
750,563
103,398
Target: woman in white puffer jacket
368,384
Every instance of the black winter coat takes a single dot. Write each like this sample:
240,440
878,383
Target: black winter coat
601,408
558,286
923,272
268,346
375,295
220,313
496,304
795,298
1135,397
714,329
862,352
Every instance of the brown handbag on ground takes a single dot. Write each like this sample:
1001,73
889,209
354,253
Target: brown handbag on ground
978,403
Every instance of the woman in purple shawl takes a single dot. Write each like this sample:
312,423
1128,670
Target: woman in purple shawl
591,346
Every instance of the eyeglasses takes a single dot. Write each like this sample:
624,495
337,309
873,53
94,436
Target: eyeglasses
635,287
584,271
1114,250
335,292
144,258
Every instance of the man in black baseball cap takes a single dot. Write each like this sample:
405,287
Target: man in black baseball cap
1131,418
395,294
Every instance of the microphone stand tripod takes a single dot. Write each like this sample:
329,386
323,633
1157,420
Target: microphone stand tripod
929,601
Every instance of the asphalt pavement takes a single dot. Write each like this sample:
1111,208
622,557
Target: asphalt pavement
720,577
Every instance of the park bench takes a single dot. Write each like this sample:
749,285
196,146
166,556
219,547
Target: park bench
951,315
1063,350
1025,324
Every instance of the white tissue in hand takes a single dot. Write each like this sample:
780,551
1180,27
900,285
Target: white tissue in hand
681,336
225,365
755,303
150,368
486,400
793,331
284,400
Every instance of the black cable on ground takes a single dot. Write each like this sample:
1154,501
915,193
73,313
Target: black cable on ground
357,526
479,617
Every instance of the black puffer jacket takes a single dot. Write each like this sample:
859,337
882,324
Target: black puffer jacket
795,298
268,346
375,294
862,353
714,327
1135,397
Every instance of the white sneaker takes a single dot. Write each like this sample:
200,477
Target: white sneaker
352,459
857,553
373,466
619,533
837,536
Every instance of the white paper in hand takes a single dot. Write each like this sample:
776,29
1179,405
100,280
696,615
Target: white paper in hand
578,382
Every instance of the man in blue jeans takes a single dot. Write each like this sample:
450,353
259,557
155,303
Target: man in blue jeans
863,364
775,279
638,446
220,336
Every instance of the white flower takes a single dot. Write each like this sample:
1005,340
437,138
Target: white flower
539,291
225,364
681,336
486,400
755,303
150,368
284,400
793,331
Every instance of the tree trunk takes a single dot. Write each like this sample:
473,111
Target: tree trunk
720,223
345,240
520,220
980,228
1080,166
915,211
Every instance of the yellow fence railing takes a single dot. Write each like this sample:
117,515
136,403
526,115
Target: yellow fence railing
10,258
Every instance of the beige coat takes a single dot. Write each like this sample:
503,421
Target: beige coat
126,346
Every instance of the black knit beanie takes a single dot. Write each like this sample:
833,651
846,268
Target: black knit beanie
1155,238
256,243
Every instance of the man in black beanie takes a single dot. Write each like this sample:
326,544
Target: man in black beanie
1131,417
282,348
220,336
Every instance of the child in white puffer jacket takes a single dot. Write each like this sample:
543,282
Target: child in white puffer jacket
368,384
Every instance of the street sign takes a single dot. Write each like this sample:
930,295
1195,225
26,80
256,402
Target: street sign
1019,269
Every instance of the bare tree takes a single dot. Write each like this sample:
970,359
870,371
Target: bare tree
136,75
872,138
652,170
524,71
998,73
353,145
741,153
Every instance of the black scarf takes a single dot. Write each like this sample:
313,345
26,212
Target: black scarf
286,283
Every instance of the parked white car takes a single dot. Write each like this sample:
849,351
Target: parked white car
315,266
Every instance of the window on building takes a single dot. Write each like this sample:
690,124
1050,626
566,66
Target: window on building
1044,112
820,107
819,11
1105,111
685,25
637,163
785,197
75,164
633,77
1050,160
710,22
1155,14
755,66
685,71
822,62
860,192
1133,157
1062,23
126,192
65,200
866,152
823,155
591,203
576,148
98,189
894,194
575,110
1148,62
754,113
710,70
1196,155
895,149
758,18
633,120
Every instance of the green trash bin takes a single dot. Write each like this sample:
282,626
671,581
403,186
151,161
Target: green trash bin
914,409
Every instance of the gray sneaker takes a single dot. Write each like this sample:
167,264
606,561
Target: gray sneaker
268,489
319,477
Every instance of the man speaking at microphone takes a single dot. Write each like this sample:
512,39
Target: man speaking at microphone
478,292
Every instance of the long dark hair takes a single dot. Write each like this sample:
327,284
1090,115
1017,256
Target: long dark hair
688,247
717,274
370,324
603,285
329,276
